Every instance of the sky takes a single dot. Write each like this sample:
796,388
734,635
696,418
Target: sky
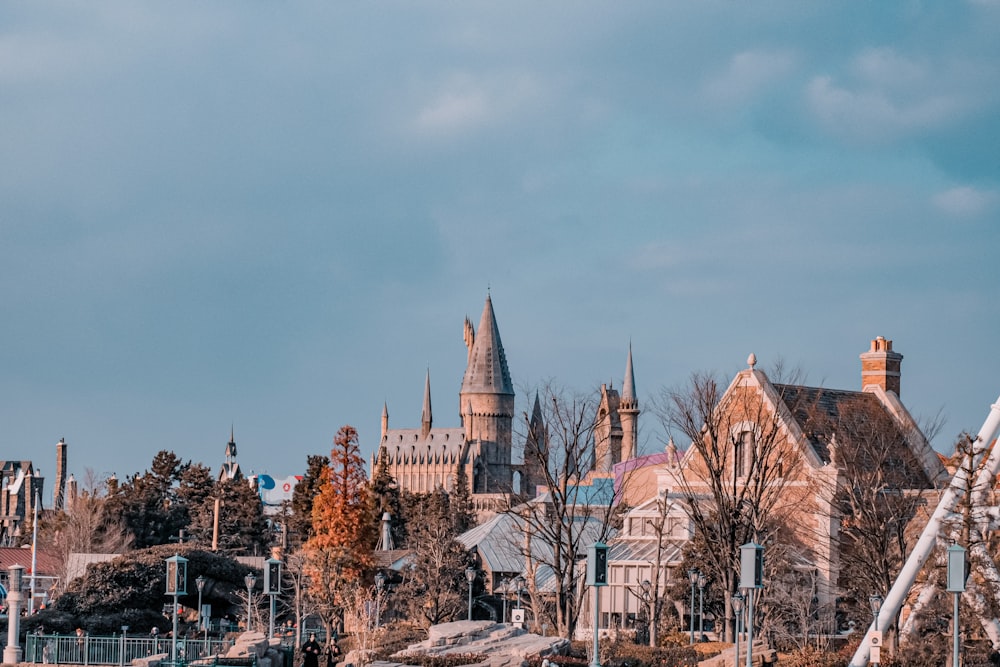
273,217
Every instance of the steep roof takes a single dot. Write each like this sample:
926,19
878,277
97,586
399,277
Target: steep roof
628,398
487,371
819,411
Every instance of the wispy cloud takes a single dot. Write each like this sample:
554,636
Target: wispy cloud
965,201
749,73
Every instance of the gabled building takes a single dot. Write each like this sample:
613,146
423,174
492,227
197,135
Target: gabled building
809,471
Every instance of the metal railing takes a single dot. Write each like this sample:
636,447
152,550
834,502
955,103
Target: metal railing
93,650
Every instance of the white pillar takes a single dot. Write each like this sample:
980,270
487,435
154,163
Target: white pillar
12,652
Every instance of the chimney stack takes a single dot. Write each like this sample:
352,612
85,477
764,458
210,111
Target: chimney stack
880,366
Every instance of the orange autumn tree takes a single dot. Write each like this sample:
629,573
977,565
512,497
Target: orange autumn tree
339,553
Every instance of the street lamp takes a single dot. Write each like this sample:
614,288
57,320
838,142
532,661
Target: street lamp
875,603
200,583
702,580
520,587
379,587
272,587
738,610
505,586
956,585
693,575
250,580
470,576
751,579
176,586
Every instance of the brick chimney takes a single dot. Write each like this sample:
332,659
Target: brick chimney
880,366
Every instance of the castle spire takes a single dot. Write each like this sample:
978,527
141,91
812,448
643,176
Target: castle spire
426,417
628,400
628,412
385,419
487,372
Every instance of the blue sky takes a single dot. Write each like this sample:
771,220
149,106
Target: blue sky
276,215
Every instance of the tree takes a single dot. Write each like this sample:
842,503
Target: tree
148,503
559,526
384,496
434,584
880,488
300,523
732,480
85,526
339,553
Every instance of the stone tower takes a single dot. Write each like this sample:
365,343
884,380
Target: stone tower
628,412
616,426
59,492
536,453
486,403
880,366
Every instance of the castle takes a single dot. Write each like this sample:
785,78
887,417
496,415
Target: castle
422,459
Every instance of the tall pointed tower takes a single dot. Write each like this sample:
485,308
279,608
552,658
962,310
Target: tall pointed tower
536,453
486,403
628,412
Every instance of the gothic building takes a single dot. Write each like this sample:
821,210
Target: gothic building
421,459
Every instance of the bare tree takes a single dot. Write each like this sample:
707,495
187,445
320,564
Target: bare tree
86,526
732,476
558,527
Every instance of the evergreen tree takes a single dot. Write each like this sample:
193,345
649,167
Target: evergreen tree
300,519
384,496
434,592
148,503
462,513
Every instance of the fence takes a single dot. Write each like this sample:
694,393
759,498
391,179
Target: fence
87,650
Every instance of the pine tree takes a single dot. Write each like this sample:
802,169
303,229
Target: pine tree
384,496
300,522
463,515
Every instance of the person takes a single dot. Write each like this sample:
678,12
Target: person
332,652
310,652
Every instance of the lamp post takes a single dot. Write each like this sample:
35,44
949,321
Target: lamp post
199,581
702,580
470,576
751,579
176,586
738,610
956,585
520,587
250,580
272,587
875,602
693,574
506,589
379,587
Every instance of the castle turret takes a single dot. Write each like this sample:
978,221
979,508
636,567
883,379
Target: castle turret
488,393
628,412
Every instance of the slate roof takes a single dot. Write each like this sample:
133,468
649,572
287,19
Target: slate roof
487,372
818,411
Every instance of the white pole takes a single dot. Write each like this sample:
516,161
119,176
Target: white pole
34,553
925,545
749,662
